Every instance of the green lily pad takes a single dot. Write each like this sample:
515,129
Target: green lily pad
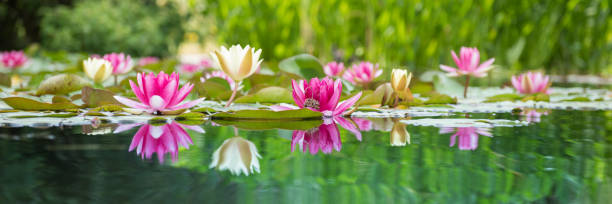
579,99
60,99
268,95
97,97
54,115
271,124
304,65
5,79
214,88
108,108
504,97
61,84
204,110
300,114
27,104
440,99
537,97
190,116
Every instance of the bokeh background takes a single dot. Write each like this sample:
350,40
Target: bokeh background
557,36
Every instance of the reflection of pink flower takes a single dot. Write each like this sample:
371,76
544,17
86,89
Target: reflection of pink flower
13,59
468,136
161,140
220,74
333,69
468,63
363,124
320,95
532,115
531,82
326,137
159,93
120,62
363,73
147,60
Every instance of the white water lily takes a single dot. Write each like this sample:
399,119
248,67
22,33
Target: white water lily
399,135
400,80
237,62
237,155
97,69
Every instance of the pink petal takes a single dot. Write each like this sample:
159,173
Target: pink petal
188,104
346,104
130,103
298,94
138,92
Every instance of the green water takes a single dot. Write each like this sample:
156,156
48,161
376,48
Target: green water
563,158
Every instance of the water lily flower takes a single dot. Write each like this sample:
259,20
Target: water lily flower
13,59
160,140
468,136
363,73
120,62
400,80
190,68
238,63
333,69
399,135
320,95
220,74
237,155
97,69
147,60
159,93
468,64
531,83
324,138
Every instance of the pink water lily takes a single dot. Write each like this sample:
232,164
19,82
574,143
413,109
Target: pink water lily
320,95
120,62
13,59
362,73
325,138
160,140
531,82
191,68
333,69
468,136
147,60
468,63
159,93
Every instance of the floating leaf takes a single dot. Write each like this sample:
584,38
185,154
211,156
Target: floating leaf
300,114
214,88
537,97
504,97
304,65
97,97
27,104
271,124
60,99
440,99
54,115
190,116
204,110
268,95
108,108
61,84
5,79
579,99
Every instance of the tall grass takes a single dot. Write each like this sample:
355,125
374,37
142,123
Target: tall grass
559,36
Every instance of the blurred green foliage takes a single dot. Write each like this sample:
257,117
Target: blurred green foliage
560,36
137,27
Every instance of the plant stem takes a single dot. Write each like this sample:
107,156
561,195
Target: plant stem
233,95
467,84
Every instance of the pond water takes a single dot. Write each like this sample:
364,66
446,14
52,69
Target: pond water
560,156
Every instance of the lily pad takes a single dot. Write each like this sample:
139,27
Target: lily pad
268,95
537,97
578,99
97,97
204,110
27,104
304,65
190,116
271,124
54,115
440,99
214,88
300,114
504,97
61,84
108,108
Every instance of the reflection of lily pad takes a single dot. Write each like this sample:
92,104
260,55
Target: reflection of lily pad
20,103
300,114
465,122
271,124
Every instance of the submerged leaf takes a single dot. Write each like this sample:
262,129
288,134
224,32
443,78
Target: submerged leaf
268,95
61,84
304,65
21,103
300,114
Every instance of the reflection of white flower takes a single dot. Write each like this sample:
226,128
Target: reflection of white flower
237,155
399,135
